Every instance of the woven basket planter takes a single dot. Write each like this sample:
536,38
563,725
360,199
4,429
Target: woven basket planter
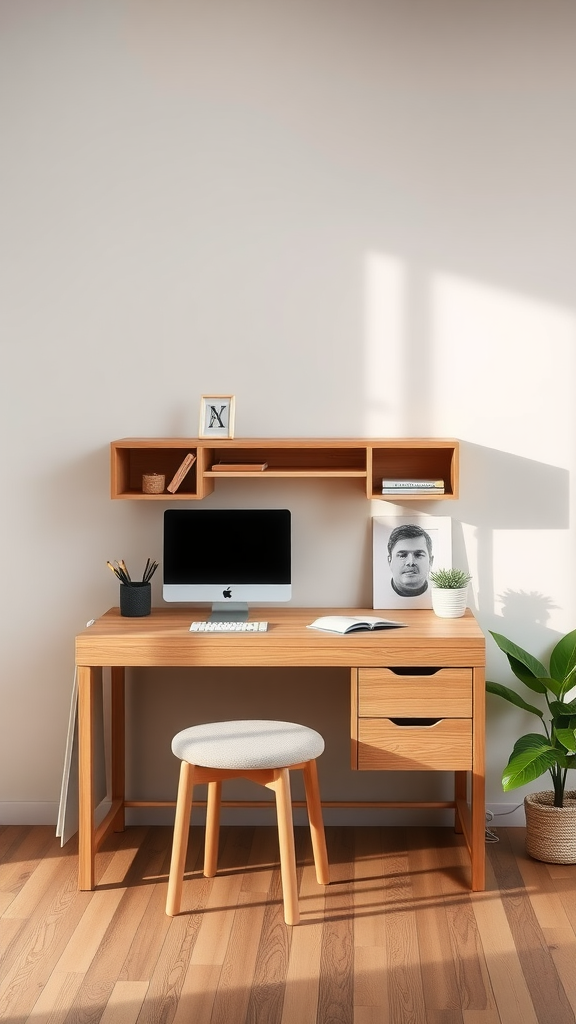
551,831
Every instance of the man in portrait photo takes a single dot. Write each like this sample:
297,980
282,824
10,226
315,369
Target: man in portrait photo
405,549
410,559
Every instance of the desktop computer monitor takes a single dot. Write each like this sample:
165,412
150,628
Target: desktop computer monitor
227,557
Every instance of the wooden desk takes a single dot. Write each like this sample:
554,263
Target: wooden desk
449,703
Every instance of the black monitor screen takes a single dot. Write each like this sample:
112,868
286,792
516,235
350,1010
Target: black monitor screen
227,546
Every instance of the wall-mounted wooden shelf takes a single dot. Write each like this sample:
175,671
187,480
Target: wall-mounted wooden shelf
369,460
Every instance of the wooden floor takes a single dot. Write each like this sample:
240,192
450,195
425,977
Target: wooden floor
397,937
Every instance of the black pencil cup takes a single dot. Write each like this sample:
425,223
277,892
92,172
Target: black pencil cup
135,600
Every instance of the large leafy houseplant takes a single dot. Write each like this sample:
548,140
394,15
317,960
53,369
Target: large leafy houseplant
554,749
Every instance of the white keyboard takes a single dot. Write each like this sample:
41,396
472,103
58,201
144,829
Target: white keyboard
228,627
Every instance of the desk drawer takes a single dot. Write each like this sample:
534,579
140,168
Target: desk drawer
444,745
446,693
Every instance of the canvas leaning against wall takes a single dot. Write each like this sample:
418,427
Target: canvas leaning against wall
404,550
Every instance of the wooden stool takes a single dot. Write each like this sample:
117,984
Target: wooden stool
264,752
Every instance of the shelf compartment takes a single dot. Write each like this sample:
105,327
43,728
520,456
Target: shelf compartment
414,461
130,463
291,461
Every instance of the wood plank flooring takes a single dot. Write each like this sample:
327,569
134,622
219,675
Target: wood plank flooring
397,938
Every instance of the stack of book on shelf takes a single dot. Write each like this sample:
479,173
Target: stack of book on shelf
398,486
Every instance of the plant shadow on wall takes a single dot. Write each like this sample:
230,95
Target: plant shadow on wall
550,816
520,607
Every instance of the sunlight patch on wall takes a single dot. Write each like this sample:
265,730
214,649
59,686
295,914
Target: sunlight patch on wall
532,579
384,356
502,376
503,369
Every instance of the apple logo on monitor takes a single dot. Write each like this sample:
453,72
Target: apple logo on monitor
227,592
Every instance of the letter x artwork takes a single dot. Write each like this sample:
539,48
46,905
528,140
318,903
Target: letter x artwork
216,416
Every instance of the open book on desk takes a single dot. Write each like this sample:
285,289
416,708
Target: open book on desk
352,623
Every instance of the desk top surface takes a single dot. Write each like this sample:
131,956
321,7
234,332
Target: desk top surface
164,639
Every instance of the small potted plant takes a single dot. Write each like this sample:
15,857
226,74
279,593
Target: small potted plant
449,592
550,815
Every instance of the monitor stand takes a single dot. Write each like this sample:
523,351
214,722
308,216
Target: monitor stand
229,611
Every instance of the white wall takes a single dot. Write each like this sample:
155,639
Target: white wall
358,218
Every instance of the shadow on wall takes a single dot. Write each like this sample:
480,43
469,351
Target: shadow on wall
524,619
520,607
507,492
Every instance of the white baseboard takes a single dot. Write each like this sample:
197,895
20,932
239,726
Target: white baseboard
46,813
37,813
340,816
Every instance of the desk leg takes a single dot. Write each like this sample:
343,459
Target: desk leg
460,794
88,679
478,784
118,744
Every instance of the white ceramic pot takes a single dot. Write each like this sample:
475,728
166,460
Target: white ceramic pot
449,604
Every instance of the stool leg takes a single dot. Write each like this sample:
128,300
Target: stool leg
180,840
281,788
316,823
212,829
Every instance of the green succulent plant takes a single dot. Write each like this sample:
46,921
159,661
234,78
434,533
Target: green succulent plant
554,750
450,579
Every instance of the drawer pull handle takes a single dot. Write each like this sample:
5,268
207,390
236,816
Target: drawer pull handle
423,722
414,670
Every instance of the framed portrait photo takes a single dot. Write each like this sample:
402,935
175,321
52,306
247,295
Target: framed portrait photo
216,416
405,548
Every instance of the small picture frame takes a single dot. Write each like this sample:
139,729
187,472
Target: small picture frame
405,549
216,416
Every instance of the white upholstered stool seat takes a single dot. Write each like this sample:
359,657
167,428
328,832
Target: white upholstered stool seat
252,744
264,752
